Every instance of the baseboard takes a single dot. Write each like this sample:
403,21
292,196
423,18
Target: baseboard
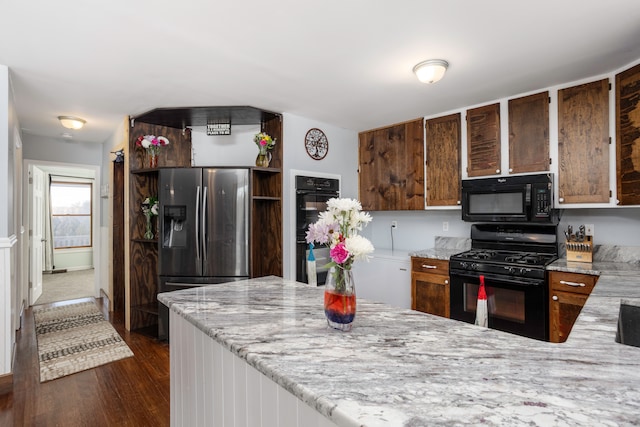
106,302
6,384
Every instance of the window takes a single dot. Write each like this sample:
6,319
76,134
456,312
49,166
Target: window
71,217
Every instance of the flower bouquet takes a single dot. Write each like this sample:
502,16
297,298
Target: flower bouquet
264,143
338,229
152,144
149,209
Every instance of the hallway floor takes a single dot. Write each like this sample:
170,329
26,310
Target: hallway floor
128,392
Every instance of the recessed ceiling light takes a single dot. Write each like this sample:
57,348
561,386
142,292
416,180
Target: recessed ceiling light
71,122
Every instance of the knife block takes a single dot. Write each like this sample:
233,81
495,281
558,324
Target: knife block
580,251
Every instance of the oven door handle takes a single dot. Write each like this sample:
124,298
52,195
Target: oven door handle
515,281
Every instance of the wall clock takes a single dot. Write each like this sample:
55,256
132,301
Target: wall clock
316,144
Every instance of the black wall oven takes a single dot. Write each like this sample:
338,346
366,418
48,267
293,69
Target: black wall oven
513,259
312,194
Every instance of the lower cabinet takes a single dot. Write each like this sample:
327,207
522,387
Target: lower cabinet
384,279
568,293
430,286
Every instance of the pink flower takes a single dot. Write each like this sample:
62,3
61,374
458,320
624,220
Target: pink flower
263,142
339,253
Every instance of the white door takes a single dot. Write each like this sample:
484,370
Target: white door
36,186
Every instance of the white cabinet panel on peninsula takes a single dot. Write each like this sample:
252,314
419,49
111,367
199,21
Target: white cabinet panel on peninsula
385,278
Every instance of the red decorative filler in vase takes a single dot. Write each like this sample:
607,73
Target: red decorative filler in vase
338,228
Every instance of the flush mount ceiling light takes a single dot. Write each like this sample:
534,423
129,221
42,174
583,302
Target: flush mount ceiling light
71,122
431,71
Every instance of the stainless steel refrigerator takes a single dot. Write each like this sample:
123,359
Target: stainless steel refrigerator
204,229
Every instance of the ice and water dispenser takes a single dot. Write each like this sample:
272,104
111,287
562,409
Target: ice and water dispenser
173,227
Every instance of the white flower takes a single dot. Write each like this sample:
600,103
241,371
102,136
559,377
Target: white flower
145,143
154,209
359,247
343,205
163,140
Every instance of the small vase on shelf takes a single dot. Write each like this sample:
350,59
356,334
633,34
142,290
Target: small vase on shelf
153,159
263,159
148,234
340,299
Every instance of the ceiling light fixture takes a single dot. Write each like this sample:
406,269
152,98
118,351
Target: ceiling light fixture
431,71
71,122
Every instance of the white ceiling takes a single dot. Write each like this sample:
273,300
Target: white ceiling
343,62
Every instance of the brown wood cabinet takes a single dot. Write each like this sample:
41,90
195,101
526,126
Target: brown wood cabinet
391,172
266,209
141,262
483,141
529,133
430,286
443,139
583,143
568,292
627,136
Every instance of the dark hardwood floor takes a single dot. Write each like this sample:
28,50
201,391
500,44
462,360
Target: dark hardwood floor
128,392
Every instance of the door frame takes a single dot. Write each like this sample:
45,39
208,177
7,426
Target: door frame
97,217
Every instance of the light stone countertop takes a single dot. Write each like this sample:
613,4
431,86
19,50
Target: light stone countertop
405,368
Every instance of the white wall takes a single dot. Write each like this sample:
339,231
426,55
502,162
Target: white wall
341,161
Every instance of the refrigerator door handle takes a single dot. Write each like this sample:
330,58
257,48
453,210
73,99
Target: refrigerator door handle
197,213
204,223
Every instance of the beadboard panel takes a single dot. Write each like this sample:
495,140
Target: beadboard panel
212,386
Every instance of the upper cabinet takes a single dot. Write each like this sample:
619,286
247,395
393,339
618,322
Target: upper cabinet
391,171
628,136
442,141
529,133
583,143
483,141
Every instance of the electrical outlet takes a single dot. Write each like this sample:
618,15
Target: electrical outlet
394,224
588,230
445,226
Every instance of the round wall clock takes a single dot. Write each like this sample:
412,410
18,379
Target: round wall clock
316,144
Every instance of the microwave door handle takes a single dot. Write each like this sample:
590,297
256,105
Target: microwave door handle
197,214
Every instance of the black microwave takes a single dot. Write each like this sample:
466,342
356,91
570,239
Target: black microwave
523,198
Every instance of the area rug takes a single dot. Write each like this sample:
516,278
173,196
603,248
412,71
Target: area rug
74,338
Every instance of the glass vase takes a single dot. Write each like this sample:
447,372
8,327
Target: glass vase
148,234
263,159
152,159
340,299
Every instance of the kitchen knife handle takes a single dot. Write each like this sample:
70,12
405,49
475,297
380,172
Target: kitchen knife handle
574,284
198,222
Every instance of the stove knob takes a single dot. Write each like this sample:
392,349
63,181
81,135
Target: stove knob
474,266
523,271
463,265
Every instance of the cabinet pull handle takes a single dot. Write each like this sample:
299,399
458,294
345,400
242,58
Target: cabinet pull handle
574,284
428,266
446,282
555,298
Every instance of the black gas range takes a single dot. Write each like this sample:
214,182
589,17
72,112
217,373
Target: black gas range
512,260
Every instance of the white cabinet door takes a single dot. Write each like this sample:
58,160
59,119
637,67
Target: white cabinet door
383,279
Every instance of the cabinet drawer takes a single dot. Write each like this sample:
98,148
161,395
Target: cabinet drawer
572,282
429,265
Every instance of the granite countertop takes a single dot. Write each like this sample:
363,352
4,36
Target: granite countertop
405,368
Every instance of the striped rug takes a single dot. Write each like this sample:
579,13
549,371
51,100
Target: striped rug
74,338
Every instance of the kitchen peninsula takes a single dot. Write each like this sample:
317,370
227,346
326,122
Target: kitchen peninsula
396,367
